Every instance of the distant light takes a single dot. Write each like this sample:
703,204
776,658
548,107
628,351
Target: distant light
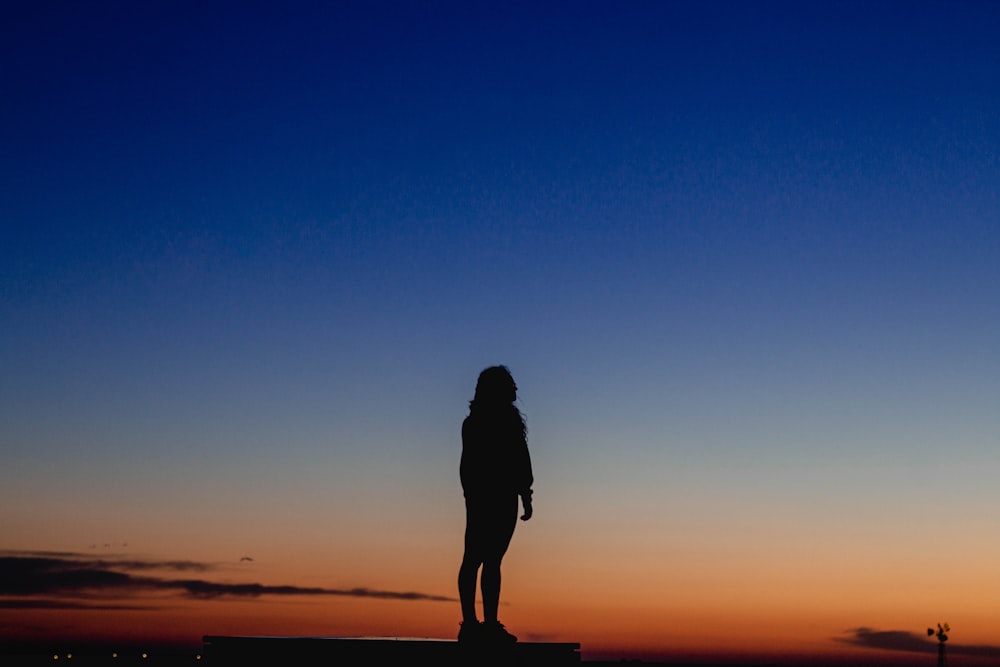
144,656
55,657
114,655
198,657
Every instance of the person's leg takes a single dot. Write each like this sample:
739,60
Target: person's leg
467,575
503,519
492,627
490,582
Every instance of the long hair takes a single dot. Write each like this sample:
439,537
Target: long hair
495,396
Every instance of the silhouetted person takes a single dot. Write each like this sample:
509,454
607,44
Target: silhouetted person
495,471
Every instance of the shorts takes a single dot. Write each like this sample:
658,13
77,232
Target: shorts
489,525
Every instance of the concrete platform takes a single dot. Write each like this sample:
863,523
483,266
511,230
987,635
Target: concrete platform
349,651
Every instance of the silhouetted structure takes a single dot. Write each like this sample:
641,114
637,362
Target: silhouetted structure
389,651
495,471
942,636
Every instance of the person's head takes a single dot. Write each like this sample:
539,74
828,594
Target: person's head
495,387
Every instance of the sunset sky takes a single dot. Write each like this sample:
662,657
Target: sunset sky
742,259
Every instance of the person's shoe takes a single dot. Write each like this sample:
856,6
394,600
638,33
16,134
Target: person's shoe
470,632
493,631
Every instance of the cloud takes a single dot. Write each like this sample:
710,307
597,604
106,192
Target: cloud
35,603
112,562
890,640
904,640
176,565
34,578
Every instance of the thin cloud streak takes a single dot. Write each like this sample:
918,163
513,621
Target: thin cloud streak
112,561
23,577
904,640
29,604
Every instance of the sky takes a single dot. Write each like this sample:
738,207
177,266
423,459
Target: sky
742,259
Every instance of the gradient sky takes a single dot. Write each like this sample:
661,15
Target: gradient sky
742,258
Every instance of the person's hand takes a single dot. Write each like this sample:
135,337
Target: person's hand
526,501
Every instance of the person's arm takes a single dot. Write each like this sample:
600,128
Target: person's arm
527,479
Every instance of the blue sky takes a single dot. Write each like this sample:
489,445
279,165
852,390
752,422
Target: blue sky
709,239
